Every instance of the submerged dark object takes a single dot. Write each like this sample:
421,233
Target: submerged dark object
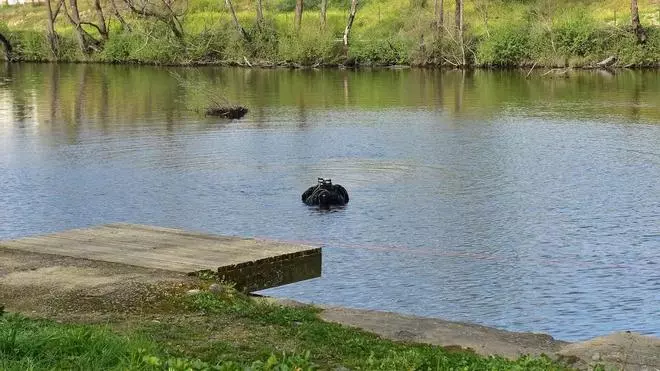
325,194
230,112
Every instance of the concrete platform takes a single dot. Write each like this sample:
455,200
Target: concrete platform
252,264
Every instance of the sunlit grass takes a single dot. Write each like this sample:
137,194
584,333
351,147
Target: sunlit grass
227,331
384,32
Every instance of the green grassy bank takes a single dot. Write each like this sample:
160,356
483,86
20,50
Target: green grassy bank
224,331
498,33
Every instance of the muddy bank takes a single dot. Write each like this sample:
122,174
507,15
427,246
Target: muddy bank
77,289
622,351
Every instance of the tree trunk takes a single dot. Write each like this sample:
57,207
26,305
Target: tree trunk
234,18
637,27
459,15
74,17
324,8
459,28
260,13
349,24
52,35
298,18
7,46
103,29
439,15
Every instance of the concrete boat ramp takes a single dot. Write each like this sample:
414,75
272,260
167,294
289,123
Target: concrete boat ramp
253,264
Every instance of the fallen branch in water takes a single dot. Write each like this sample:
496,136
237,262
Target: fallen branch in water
214,103
232,112
530,70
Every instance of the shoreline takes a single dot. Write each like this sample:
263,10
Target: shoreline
78,290
267,65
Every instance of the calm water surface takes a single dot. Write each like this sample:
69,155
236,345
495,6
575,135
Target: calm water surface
527,204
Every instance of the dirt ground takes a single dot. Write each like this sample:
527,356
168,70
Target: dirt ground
72,289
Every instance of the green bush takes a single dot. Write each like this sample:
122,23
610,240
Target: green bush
508,45
576,34
628,51
290,5
30,46
380,52
68,49
159,47
207,46
263,41
308,47
118,47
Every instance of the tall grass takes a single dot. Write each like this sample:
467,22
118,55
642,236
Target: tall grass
27,344
498,33
39,345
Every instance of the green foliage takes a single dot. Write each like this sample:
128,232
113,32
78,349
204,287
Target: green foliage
67,48
308,47
311,5
290,5
576,34
36,344
508,45
208,45
498,33
629,52
353,348
118,48
280,339
380,51
30,45
31,344
273,363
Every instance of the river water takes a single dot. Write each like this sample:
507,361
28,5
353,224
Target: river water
527,204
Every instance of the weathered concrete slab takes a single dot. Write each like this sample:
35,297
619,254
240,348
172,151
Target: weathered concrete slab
253,264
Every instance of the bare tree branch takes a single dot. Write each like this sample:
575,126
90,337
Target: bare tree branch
121,19
169,17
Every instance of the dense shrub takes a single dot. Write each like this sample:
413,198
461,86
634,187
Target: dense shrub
309,47
380,51
30,45
118,48
576,34
508,45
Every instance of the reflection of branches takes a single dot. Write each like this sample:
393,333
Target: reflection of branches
166,14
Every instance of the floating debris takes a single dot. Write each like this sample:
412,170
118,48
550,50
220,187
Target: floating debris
231,112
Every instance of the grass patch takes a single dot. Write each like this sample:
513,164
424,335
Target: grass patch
498,34
227,330
234,327
27,344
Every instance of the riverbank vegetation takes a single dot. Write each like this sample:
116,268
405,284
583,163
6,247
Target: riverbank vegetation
225,330
498,33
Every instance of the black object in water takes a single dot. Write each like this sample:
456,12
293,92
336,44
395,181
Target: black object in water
230,112
325,194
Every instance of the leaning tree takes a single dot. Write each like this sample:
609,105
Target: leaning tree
7,46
